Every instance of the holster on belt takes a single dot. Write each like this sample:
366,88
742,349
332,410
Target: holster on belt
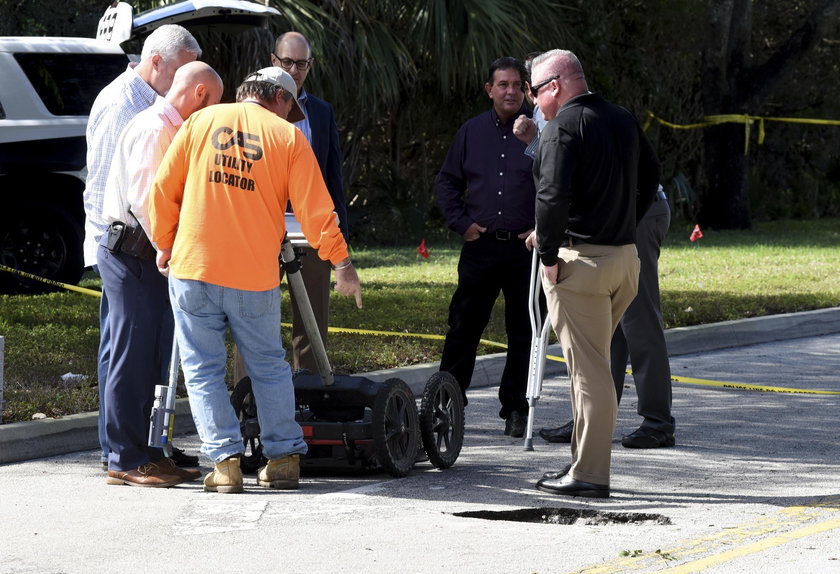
131,240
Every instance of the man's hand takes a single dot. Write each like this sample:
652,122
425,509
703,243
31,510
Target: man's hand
163,257
473,232
530,238
525,129
551,272
347,281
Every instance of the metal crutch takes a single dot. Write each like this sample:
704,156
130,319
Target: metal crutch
162,423
539,347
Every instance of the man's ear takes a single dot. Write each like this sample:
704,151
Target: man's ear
488,88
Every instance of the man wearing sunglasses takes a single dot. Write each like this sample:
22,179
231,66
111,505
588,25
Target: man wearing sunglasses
596,175
293,53
486,193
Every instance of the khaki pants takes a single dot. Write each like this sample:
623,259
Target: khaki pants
596,283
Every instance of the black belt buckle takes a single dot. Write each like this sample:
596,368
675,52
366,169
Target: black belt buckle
503,235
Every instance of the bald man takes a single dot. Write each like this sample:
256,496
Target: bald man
140,317
293,53
164,51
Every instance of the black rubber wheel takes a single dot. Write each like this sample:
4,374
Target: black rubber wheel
442,419
242,399
396,428
43,241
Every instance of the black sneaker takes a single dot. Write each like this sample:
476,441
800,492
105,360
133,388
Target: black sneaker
515,424
646,437
559,434
183,459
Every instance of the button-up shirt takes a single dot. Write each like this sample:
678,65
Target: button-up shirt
486,177
113,108
139,153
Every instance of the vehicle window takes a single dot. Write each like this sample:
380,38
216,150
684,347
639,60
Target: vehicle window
68,83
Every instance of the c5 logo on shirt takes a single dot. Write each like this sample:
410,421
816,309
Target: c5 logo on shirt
225,138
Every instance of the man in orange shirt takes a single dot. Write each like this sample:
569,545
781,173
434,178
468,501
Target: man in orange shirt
217,217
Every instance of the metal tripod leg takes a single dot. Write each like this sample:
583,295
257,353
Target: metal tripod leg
163,412
292,268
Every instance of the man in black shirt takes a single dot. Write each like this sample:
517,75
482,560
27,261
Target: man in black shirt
596,176
486,192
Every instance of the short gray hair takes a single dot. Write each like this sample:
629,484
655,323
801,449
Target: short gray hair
169,41
564,63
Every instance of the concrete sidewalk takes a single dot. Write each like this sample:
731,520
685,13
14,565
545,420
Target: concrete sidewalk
753,485
37,439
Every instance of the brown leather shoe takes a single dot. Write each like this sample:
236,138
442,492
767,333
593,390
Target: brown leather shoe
169,466
148,475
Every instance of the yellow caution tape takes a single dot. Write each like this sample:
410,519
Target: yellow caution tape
745,119
51,282
687,380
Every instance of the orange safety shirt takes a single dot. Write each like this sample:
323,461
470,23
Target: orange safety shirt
219,197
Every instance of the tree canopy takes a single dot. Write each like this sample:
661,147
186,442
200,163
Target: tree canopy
403,76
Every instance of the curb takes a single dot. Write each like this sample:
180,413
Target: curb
49,437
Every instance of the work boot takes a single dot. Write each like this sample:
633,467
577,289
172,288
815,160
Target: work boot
225,478
281,473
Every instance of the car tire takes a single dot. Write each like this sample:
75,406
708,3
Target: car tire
41,240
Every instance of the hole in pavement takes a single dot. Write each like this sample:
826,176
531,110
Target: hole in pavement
567,516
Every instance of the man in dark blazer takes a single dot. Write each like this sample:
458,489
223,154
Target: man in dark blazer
293,53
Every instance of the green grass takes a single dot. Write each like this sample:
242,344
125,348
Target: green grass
775,268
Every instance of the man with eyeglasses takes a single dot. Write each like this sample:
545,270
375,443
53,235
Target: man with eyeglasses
596,176
486,193
293,53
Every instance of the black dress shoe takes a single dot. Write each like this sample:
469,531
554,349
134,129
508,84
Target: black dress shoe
646,437
515,424
555,474
183,459
571,487
559,434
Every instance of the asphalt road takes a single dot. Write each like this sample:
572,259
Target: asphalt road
753,485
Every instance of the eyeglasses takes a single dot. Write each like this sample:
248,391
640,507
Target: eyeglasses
536,89
287,63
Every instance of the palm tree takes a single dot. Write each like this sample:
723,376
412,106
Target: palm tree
387,67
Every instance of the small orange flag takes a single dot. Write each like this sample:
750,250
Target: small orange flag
422,250
696,234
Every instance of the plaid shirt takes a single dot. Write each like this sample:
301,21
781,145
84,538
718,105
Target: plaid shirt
115,106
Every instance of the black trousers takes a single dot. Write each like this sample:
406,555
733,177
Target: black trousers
142,326
639,334
487,267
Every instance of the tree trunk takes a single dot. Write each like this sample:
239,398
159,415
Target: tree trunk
724,204
732,84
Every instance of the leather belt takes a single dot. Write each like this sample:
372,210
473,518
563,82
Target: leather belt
505,235
571,241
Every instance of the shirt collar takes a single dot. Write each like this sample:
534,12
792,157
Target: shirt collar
497,121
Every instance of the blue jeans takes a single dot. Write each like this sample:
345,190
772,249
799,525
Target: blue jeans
202,313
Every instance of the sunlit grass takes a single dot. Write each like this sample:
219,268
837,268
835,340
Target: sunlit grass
777,267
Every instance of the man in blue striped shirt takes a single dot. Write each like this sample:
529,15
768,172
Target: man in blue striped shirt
164,51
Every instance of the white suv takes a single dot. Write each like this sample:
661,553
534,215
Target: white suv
47,89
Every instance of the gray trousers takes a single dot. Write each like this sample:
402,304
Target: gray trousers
640,332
